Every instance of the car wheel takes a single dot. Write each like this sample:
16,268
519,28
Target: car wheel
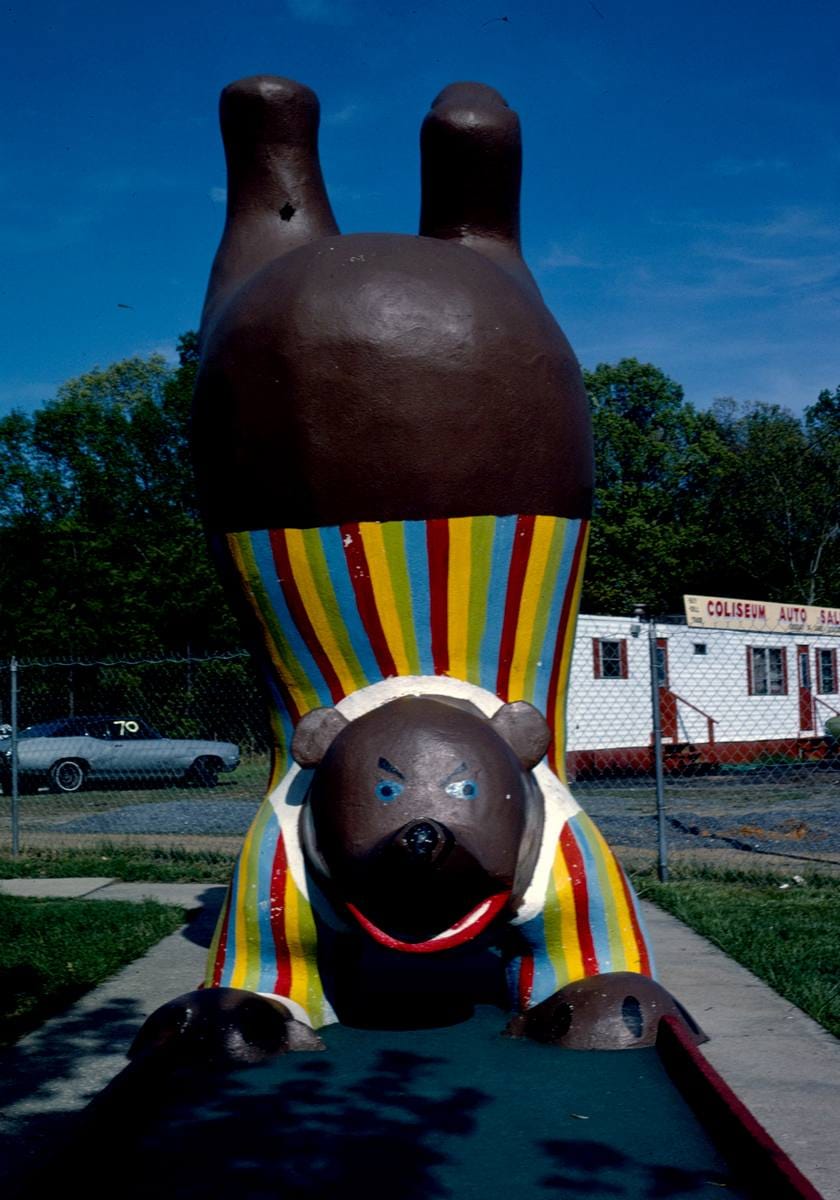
67,775
204,773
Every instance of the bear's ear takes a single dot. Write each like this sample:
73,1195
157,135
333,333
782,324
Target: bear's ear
525,730
315,733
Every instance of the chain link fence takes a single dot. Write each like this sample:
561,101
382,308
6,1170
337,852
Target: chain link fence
679,740
688,740
173,751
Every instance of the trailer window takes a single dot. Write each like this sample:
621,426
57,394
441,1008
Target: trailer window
609,658
767,675
826,670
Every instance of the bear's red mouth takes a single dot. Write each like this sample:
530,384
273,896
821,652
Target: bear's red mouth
464,929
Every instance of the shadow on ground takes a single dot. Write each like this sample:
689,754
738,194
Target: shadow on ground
49,1076
419,1115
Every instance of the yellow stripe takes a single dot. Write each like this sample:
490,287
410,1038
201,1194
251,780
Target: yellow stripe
553,928
239,545
240,966
279,750
393,535
300,968
212,954
524,648
458,594
315,610
566,956
276,646
565,666
483,533
623,945
314,1004
553,589
383,591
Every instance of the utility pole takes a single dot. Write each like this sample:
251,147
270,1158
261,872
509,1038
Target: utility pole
662,864
13,680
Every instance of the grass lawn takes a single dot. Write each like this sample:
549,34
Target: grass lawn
52,951
132,863
787,935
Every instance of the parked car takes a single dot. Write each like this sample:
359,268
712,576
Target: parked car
67,753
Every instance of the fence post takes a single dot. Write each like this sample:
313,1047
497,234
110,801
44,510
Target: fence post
662,865
13,713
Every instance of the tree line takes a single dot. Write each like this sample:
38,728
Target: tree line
102,552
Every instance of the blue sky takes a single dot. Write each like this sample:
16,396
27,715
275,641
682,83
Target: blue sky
682,163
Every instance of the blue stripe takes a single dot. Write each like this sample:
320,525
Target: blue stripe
265,861
496,596
348,612
277,706
261,546
230,932
542,676
545,977
417,558
597,912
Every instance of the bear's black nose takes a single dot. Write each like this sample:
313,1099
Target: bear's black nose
423,841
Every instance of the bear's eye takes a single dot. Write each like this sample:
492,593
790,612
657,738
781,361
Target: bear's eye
387,790
462,789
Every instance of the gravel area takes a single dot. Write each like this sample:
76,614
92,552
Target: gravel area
800,831
760,830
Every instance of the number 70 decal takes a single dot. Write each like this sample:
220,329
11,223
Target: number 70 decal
127,727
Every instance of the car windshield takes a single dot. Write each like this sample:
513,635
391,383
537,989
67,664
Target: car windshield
50,729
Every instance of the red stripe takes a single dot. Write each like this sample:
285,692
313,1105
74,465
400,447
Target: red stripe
437,545
747,1142
286,579
577,874
522,539
354,552
565,617
221,949
644,957
526,981
277,901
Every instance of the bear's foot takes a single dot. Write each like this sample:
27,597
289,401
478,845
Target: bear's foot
222,1027
619,1011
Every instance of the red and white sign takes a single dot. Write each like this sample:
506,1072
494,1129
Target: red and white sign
764,616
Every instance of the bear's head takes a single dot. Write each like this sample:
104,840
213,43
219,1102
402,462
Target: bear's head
423,818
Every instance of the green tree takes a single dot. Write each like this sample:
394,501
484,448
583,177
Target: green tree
100,541
822,425
774,506
740,500
651,465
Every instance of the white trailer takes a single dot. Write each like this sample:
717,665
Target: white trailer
724,695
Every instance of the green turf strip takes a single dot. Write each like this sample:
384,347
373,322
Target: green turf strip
52,951
459,1112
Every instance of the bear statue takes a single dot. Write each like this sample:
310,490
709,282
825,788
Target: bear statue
394,464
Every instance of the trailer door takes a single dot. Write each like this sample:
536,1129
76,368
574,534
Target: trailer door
667,699
806,694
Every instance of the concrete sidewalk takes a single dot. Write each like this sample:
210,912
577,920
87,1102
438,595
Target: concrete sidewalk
784,1066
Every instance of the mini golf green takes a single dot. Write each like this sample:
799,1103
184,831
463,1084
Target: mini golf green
414,1115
